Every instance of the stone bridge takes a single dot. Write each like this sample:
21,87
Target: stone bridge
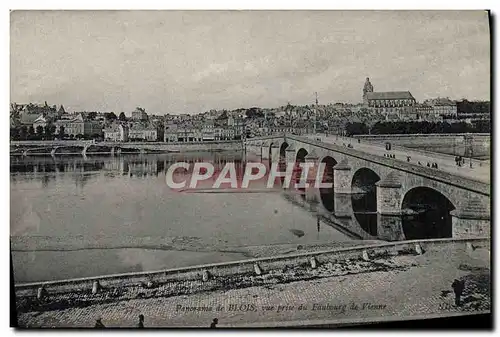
80,147
72,148
393,193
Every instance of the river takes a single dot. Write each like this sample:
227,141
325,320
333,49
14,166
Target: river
78,217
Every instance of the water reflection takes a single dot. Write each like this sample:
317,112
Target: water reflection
49,169
365,210
431,211
431,214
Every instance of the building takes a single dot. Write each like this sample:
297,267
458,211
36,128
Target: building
78,125
145,132
228,133
139,114
426,112
170,133
391,104
42,121
189,134
443,107
28,119
116,133
61,110
207,130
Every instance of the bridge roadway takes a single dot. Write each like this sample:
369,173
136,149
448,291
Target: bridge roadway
479,172
420,287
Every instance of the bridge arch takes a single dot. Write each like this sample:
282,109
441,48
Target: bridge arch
364,199
283,147
300,157
327,195
426,214
282,163
270,152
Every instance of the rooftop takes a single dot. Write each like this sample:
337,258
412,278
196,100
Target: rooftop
389,95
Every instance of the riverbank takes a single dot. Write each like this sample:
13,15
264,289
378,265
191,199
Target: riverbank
109,255
47,148
384,288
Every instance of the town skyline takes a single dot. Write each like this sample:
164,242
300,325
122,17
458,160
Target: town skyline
187,62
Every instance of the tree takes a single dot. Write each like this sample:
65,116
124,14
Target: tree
31,130
122,116
110,116
23,132
482,125
39,130
254,113
14,133
92,115
50,129
356,128
97,136
222,116
61,132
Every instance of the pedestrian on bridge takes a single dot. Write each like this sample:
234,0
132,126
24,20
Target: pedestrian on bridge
141,321
98,323
458,288
214,323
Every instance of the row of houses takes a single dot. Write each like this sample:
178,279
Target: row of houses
172,133
71,125
123,132
138,127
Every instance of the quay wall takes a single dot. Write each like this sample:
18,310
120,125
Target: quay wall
248,267
156,146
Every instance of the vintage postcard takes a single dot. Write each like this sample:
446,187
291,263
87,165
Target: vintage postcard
250,169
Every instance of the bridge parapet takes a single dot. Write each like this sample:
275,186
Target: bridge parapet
432,174
382,139
459,181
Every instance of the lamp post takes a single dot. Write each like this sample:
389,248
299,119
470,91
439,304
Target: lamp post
468,143
470,153
244,140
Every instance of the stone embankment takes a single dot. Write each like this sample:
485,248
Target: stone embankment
58,295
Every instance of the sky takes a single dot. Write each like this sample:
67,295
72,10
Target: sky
194,61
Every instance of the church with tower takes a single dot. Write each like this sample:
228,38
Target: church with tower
391,104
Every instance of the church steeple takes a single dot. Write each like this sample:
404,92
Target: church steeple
367,88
